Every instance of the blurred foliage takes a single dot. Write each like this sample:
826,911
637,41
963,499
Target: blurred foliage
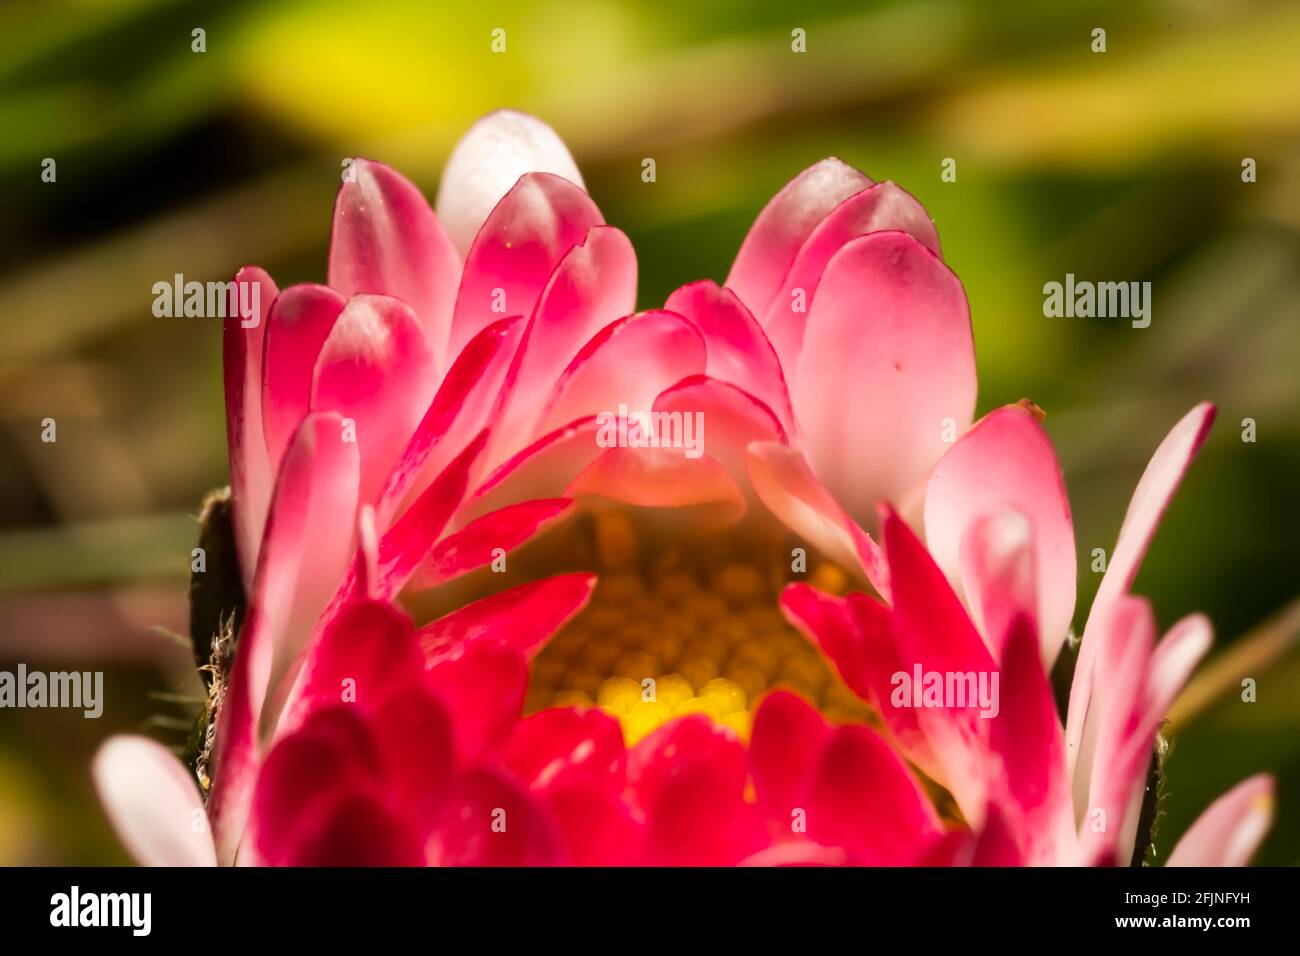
1123,165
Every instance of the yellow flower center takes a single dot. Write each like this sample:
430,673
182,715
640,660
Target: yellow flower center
693,631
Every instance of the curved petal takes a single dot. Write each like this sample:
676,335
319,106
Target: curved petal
784,481
525,615
700,817
542,470
677,747
785,745
482,684
733,419
738,351
488,161
515,252
627,363
997,558
1161,479
1231,829
662,478
784,225
475,545
880,207
1006,461
862,798
594,284
567,747
933,635
386,241
467,401
887,368
376,369
488,820
300,321
598,828
251,475
153,803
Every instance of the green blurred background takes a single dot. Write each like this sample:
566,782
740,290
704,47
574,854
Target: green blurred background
1117,166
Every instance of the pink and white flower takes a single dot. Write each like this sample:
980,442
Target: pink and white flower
435,406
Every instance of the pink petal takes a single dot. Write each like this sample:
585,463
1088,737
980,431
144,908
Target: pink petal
888,366
738,351
700,818
784,481
663,478
525,615
594,284
542,470
1006,461
784,225
997,558
1027,738
1154,491
663,348
861,797
333,755
488,161
375,368
597,828
933,633
301,319
669,753
300,563
1231,829
153,803
785,745
387,241
482,684
241,359
488,820
562,746
879,207
469,399
406,545
474,545
529,231
727,419
414,736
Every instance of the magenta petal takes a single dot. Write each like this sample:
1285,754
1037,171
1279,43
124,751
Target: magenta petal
304,774
301,560
1231,829
1006,461
699,817
1154,491
784,748
523,240
879,207
671,751
739,353
376,369
488,161
152,802
862,798
784,225
488,820
482,684
387,241
414,737
301,319
251,474
469,399
563,746
525,616
358,829
475,544
542,470
933,634
997,558
889,337
598,828
663,348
